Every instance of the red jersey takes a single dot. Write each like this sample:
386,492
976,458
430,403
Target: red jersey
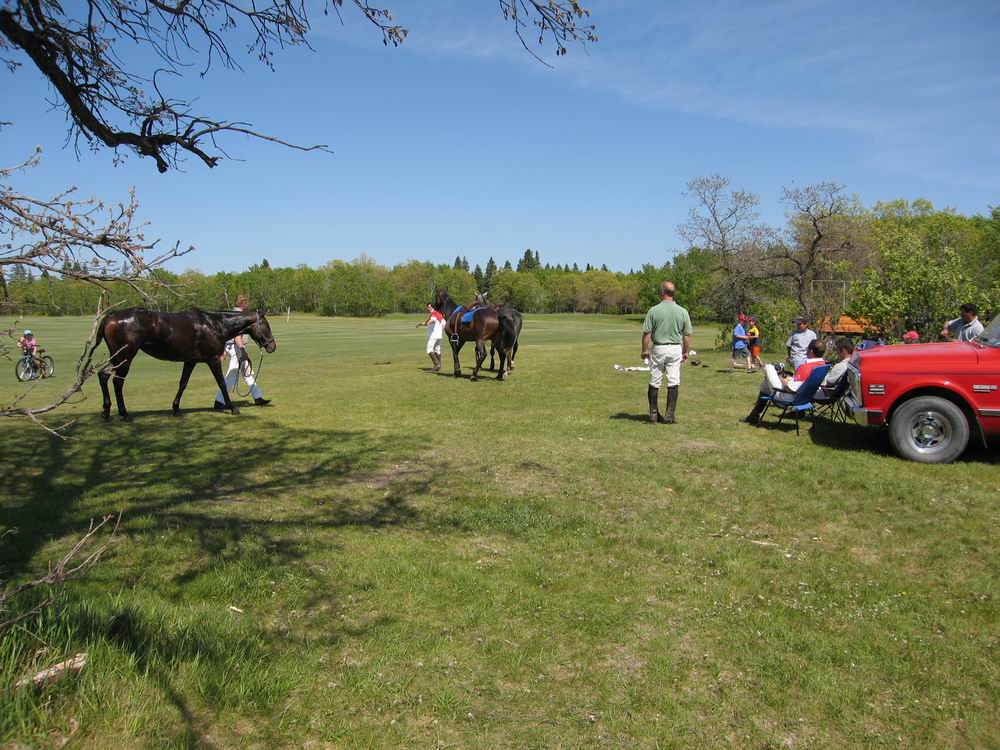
806,368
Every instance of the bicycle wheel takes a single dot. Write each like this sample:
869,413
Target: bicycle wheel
48,367
24,370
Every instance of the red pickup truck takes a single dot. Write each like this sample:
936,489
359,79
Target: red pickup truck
931,396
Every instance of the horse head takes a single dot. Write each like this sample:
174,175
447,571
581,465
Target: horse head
440,298
260,332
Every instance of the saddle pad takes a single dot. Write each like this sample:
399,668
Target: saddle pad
467,317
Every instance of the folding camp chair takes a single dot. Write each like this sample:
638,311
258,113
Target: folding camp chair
802,400
830,403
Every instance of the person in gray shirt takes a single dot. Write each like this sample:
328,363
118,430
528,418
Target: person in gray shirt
966,327
799,341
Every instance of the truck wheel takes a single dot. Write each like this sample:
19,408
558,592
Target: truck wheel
929,429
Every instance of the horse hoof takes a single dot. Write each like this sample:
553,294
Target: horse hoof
177,412
235,411
126,418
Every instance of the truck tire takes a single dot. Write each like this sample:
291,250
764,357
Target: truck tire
929,429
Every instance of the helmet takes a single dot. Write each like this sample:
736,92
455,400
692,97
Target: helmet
27,331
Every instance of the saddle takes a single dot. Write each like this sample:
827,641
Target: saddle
465,316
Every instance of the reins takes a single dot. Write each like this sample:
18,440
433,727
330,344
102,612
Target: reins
260,362
255,373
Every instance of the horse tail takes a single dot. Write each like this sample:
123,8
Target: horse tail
510,328
98,338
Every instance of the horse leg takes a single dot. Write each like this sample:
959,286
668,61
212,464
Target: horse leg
185,376
121,372
480,358
503,365
493,349
455,349
215,365
103,376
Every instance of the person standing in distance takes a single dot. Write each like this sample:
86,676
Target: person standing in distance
966,327
435,325
239,362
666,339
798,343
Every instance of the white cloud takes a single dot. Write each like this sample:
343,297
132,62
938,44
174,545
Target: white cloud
918,89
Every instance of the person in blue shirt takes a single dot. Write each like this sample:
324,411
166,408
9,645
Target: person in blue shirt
741,347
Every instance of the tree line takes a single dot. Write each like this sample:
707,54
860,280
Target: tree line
897,265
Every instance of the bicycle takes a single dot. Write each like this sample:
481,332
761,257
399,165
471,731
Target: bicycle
32,367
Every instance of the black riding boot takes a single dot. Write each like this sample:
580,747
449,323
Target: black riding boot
653,394
668,417
434,362
758,409
437,362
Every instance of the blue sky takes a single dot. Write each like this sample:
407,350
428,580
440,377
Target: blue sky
459,142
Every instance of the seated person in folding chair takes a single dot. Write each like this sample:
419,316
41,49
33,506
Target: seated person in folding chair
835,377
775,383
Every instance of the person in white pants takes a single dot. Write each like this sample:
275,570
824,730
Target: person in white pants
435,330
236,351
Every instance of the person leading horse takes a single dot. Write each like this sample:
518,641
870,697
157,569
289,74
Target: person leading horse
190,337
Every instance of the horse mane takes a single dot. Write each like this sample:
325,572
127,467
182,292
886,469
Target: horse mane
217,319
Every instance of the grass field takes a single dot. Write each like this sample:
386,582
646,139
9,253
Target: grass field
429,562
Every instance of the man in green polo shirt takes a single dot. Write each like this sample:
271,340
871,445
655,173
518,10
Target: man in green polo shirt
668,329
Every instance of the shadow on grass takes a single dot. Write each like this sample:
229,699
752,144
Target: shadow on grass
181,472
240,500
875,441
484,374
628,417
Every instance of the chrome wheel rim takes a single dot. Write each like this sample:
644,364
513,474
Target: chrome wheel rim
929,432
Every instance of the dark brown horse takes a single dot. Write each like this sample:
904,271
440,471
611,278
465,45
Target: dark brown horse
190,337
482,326
510,331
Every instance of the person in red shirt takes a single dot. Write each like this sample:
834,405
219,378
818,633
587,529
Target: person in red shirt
435,326
780,383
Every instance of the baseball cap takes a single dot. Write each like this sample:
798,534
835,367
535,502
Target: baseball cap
800,319
911,336
27,331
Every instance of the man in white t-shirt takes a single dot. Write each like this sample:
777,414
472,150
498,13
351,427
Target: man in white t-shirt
798,342
966,327
435,331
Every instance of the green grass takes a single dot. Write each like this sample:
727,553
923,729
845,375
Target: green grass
424,561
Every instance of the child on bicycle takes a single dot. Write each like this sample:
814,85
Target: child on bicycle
28,344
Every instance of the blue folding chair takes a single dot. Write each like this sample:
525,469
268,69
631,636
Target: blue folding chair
796,404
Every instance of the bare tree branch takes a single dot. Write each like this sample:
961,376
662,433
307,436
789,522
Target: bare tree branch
77,47
726,224
72,565
83,239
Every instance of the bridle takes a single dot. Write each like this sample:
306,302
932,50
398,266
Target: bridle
260,362
257,326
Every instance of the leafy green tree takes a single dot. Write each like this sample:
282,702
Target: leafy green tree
491,271
520,289
910,286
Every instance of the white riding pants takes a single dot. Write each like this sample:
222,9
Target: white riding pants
232,374
433,344
773,384
665,359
